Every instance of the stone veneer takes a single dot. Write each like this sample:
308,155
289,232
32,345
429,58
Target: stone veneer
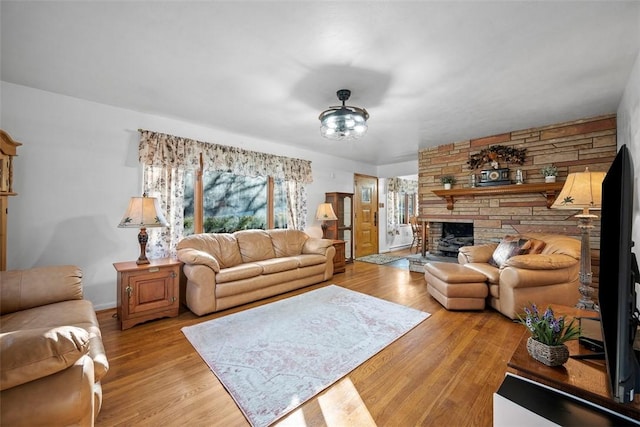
570,146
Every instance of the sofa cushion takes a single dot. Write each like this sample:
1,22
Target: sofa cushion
310,259
276,265
255,245
238,272
29,354
287,242
491,273
515,245
23,289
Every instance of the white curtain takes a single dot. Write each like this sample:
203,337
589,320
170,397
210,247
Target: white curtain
167,158
296,205
396,189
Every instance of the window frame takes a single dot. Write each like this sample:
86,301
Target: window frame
198,200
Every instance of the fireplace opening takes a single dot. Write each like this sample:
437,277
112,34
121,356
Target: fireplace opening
454,236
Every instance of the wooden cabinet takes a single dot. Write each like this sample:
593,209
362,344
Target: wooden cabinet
339,259
8,150
147,291
342,229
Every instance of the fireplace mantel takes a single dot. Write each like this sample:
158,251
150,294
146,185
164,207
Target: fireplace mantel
549,190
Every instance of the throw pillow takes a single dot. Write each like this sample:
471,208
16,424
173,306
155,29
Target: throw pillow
515,245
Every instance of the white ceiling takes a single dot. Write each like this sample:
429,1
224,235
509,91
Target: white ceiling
428,72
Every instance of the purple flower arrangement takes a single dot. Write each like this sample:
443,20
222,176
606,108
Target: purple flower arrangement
548,329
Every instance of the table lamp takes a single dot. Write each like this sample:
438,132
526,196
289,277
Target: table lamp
143,212
325,213
583,191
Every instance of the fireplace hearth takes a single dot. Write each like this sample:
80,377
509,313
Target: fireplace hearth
454,236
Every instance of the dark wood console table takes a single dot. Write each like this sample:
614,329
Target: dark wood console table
586,379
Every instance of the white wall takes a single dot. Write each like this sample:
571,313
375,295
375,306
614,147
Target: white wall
628,120
78,167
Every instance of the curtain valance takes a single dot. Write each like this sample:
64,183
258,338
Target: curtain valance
399,185
159,149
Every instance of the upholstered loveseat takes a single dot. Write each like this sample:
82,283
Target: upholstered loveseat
51,353
224,270
536,268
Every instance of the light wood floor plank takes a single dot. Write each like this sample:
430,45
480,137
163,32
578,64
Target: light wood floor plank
441,373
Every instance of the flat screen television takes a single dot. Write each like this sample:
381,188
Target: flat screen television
618,275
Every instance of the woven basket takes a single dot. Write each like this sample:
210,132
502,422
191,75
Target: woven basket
550,355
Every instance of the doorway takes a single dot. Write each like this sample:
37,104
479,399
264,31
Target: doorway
365,215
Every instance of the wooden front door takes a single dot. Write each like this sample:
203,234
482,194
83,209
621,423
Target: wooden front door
366,215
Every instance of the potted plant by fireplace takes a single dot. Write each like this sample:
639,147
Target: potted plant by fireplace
447,181
548,335
549,172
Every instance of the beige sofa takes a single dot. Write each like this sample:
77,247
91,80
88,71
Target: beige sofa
224,270
51,353
550,276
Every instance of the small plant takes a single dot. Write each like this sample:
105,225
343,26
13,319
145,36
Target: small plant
448,179
549,171
546,328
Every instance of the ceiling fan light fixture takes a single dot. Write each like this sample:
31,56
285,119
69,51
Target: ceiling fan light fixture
343,122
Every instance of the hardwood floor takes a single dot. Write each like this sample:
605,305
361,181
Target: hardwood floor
443,372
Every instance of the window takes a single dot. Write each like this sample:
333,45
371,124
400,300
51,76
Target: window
233,202
406,207
403,218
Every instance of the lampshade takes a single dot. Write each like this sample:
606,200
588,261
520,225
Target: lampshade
143,212
581,191
343,122
325,212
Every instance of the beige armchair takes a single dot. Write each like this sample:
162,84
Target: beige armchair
548,277
51,353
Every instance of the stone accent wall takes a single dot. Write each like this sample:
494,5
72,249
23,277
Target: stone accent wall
570,146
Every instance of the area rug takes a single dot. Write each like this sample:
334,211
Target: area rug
275,357
379,258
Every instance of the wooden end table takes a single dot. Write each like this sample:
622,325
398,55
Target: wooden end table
147,291
586,379
339,260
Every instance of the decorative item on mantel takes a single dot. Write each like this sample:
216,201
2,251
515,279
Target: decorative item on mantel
549,172
494,155
548,335
447,181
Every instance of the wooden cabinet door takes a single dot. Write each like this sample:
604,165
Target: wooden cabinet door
150,291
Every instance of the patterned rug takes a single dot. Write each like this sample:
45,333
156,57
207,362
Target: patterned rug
379,258
275,357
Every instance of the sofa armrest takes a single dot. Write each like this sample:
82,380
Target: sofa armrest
192,256
314,245
23,289
541,262
64,398
200,295
29,354
479,253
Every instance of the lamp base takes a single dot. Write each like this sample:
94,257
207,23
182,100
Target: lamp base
143,238
585,288
324,229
